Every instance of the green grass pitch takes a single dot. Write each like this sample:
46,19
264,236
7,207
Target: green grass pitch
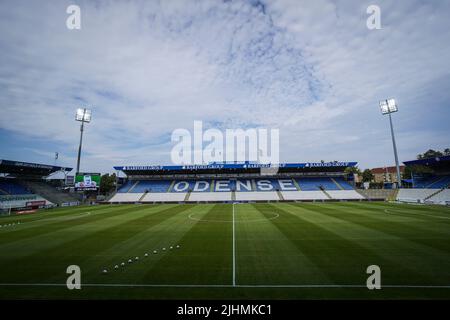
270,251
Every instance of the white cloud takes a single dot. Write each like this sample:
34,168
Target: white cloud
311,69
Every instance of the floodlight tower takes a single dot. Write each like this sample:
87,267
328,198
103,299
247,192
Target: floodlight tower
83,115
387,107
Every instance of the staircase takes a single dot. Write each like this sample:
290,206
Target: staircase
233,195
296,185
188,194
280,195
48,192
133,186
327,194
337,184
434,193
142,197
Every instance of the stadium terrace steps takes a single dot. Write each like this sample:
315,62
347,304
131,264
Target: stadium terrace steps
345,195
415,195
337,184
433,182
236,196
133,186
280,195
209,196
303,195
48,192
9,187
326,193
441,197
126,197
257,196
164,197
377,194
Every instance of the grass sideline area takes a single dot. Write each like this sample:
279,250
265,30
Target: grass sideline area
226,251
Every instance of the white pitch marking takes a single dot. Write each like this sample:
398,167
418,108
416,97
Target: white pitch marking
307,286
234,252
276,215
419,214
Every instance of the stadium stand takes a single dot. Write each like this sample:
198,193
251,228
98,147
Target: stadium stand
164,197
49,192
304,195
151,186
343,184
345,195
126,197
415,195
23,185
257,196
209,196
11,187
432,182
236,182
442,197
379,194
310,184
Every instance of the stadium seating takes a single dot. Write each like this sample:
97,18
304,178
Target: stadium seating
8,187
20,201
310,184
257,196
345,195
442,197
49,192
127,186
164,197
151,186
126,197
415,195
343,183
432,182
209,196
304,195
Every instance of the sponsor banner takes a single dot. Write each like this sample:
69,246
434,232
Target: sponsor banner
36,203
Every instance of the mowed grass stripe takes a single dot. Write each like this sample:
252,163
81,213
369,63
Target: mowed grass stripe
266,256
34,228
101,237
165,234
414,232
411,211
343,261
412,256
43,238
206,255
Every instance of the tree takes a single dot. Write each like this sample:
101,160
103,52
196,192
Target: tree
416,170
367,175
107,183
354,170
430,154
447,152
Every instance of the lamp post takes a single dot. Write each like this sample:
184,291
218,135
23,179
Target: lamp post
388,107
83,115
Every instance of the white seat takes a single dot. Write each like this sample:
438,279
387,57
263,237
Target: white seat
345,195
126,197
304,195
210,196
257,195
164,197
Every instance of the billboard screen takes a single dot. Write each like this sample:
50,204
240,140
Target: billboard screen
87,181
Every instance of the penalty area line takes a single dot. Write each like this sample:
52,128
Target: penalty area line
306,286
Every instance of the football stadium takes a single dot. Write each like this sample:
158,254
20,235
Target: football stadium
263,152
226,231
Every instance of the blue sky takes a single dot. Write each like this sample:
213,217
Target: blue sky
311,69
